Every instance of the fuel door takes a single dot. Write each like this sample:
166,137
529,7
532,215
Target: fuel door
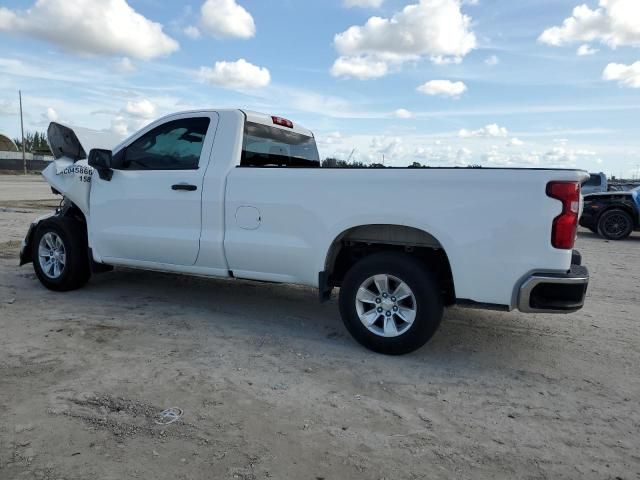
248,218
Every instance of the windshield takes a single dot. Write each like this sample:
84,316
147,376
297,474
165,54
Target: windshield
265,146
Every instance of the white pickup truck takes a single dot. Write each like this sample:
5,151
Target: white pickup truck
238,194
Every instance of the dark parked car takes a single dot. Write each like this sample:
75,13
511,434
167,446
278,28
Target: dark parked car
614,215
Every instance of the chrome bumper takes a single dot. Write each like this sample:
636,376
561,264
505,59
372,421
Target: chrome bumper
555,293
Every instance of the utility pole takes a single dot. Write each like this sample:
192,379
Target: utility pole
24,157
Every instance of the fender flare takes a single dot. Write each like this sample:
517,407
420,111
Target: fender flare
26,247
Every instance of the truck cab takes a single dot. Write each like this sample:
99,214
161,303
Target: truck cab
596,183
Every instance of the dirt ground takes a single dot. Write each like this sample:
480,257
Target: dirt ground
272,386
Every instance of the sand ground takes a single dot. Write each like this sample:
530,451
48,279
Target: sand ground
272,386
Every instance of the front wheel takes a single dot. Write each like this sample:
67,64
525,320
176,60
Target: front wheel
60,256
615,224
390,303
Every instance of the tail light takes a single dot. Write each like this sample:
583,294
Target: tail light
565,225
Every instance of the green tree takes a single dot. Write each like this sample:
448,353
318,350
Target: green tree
34,142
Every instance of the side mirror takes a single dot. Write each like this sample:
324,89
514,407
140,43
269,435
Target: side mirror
101,160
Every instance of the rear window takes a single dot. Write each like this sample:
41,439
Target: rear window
594,181
265,146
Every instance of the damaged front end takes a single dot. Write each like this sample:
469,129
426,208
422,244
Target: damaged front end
25,248
68,174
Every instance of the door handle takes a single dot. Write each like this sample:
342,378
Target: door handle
184,187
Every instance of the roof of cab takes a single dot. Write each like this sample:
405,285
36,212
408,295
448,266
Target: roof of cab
255,117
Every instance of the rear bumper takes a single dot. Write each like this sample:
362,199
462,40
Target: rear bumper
555,293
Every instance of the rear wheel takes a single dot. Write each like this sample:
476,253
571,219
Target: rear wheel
615,224
390,303
60,256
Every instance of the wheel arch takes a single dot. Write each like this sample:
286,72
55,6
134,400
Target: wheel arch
68,209
359,241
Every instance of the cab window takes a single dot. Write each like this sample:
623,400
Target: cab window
265,146
594,181
174,145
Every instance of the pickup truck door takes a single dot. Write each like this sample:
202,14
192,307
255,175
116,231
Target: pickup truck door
150,211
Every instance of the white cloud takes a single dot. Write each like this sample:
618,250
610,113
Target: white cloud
489,131
363,3
564,157
192,32
309,101
225,18
386,147
515,142
120,126
441,60
144,109
8,108
492,60
615,23
559,157
48,116
239,75
52,115
585,50
137,113
109,27
36,69
403,113
7,18
625,75
445,149
431,28
495,157
463,155
363,68
444,156
332,138
124,65
444,88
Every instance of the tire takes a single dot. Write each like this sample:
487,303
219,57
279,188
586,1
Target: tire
615,224
425,301
68,236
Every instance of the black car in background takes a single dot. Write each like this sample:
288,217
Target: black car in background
614,215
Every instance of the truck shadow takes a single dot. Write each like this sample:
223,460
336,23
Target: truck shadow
249,310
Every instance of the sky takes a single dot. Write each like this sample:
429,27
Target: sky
497,83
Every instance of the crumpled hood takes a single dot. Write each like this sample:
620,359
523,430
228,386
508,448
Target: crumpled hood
71,179
69,173
76,143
